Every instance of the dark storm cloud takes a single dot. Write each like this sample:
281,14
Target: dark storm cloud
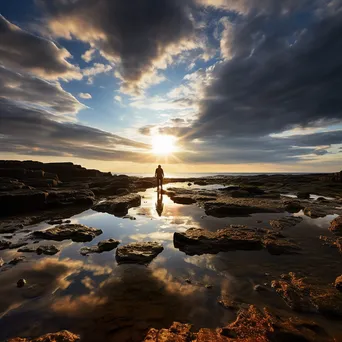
34,131
275,86
24,51
23,87
135,33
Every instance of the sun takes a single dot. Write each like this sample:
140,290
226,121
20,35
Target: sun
163,144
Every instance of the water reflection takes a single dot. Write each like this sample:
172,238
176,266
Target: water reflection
103,301
159,204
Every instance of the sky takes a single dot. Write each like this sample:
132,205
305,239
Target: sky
194,85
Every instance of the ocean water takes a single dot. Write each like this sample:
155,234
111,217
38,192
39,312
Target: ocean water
212,174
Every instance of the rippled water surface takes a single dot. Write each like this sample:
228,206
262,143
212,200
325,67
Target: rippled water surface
102,301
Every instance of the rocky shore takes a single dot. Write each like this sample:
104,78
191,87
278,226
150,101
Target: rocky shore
33,192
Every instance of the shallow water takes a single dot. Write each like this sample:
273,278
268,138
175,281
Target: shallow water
102,301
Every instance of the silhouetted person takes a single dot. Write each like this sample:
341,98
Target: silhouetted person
159,174
159,204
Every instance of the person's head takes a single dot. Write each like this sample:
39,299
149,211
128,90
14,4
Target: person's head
159,166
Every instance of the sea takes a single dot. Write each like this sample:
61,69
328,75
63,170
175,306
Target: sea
213,174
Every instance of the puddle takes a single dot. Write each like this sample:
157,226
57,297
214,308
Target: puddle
102,301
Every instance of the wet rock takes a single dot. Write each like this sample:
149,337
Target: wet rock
47,250
201,182
259,288
122,191
293,206
251,325
336,225
303,295
303,195
139,252
74,232
285,222
332,242
23,200
243,207
118,205
62,336
314,212
17,244
230,188
102,246
184,199
228,303
6,228
27,250
145,184
280,246
16,260
4,244
197,241
56,221
240,193
129,217
21,283
338,283
62,198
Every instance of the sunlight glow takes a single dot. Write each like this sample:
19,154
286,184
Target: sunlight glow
163,144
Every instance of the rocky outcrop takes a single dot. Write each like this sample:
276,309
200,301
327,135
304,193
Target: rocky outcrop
251,324
47,250
119,204
336,225
74,232
61,198
223,209
314,212
61,336
102,246
293,206
138,252
33,169
197,241
19,201
285,222
303,295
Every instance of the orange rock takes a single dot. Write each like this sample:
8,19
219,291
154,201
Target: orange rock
61,336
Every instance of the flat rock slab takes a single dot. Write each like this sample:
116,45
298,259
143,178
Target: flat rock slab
139,252
74,232
303,295
228,206
61,336
285,222
197,241
102,246
119,204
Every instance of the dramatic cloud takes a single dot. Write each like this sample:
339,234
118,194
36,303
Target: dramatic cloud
24,51
32,131
271,84
34,91
139,35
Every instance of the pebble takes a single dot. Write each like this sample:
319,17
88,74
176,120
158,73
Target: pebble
21,283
